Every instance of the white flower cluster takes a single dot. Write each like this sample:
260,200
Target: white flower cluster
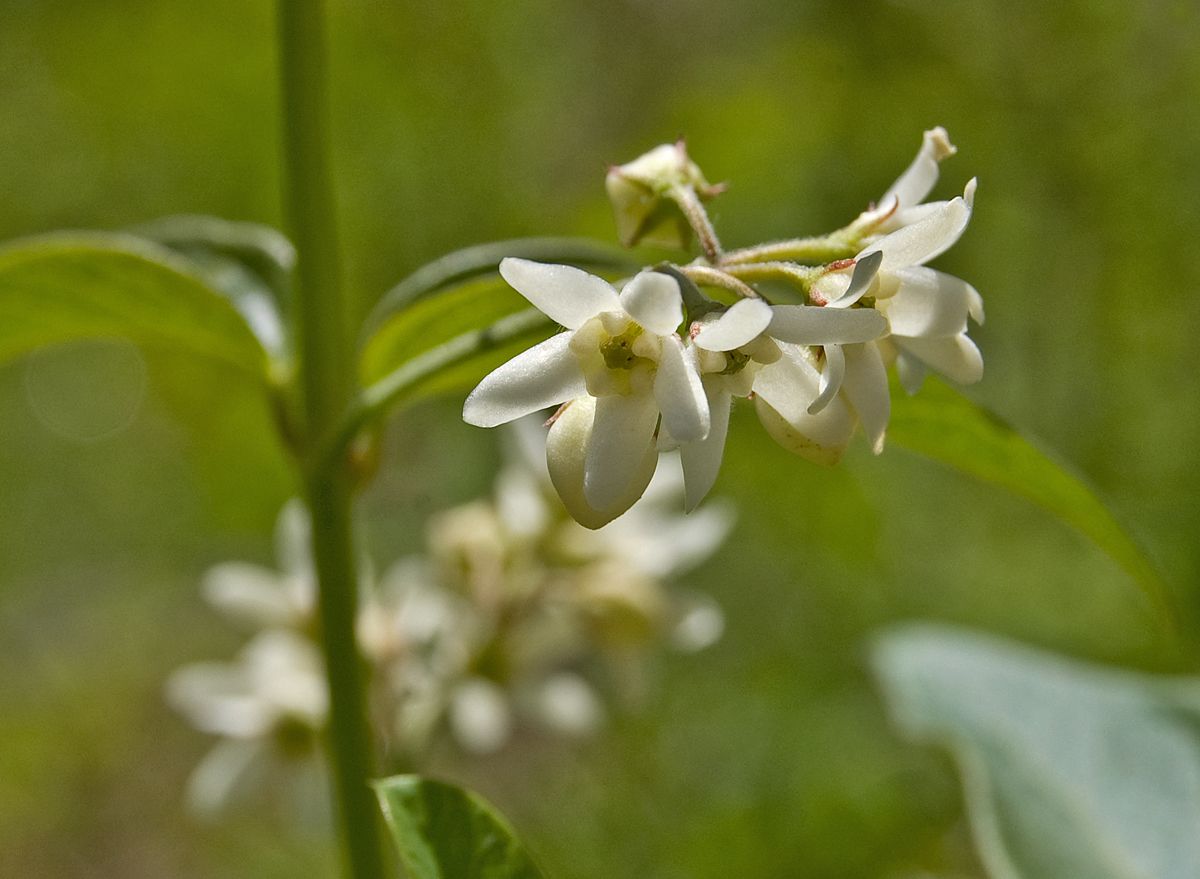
500,625
652,364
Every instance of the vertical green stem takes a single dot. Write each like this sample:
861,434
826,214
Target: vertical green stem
326,382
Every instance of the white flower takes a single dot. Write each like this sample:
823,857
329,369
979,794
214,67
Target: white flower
926,310
901,204
749,348
267,598
621,349
271,701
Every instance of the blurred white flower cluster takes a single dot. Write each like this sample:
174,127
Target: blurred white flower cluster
653,364
515,619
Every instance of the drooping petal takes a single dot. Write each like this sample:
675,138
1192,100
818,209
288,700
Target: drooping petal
865,386
831,378
928,303
545,375
957,358
865,270
814,325
567,447
565,294
821,438
702,459
790,384
654,301
738,326
679,394
920,242
622,433
918,179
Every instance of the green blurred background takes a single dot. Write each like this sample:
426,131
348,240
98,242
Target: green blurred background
768,755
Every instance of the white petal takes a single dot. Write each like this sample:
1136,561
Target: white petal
545,375
567,295
831,378
822,439
680,394
865,270
957,358
654,301
621,434
922,241
928,303
918,179
814,325
566,454
738,326
866,388
789,385
702,459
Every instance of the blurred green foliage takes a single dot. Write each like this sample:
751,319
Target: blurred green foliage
459,123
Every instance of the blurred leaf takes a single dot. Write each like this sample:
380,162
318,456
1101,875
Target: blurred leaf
1070,771
444,832
71,286
484,259
453,321
249,263
943,424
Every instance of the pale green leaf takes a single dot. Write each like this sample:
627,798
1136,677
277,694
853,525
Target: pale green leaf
72,286
444,832
248,263
942,423
1070,771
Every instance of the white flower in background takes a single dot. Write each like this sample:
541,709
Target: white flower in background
263,597
272,700
620,361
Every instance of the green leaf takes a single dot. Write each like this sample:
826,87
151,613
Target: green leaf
248,263
1070,771
72,286
943,424
444,832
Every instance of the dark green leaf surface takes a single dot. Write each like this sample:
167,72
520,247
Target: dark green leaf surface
1070,771
943,424
444,832
84,285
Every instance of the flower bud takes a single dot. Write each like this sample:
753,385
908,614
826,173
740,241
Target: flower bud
641,195
566,457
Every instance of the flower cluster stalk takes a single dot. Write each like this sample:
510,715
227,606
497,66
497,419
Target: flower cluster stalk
326,382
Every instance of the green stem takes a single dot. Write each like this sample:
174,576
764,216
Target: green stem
326,383
842,244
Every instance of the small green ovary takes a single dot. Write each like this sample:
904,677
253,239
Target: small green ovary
735,362
618,350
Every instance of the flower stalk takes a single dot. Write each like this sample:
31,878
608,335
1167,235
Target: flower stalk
325,377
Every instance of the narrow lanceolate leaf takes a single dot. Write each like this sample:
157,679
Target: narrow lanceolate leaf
1070,771
444,832
943,424
71,286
